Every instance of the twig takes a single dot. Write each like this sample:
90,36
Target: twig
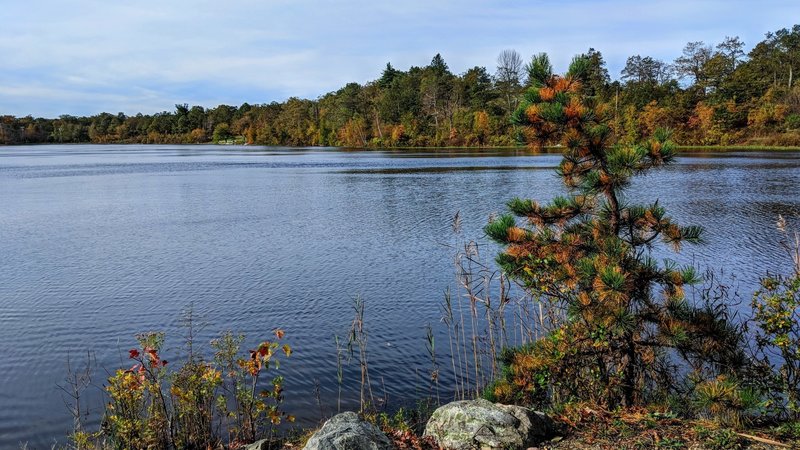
763,440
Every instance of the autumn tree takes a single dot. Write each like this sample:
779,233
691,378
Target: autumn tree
617,313
481,126
751,99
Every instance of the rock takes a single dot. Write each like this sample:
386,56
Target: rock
346,431
258,445
481,424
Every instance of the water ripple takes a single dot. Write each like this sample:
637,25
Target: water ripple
100,243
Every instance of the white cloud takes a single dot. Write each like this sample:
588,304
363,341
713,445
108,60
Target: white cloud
92,55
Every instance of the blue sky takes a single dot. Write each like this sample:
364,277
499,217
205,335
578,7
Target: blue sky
86,56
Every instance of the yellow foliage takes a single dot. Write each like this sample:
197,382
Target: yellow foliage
653,117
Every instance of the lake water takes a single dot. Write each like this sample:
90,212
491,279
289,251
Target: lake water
98,243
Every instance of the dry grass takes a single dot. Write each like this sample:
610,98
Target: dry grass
643,428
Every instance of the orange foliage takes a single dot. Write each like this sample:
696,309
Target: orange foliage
574,109
547,94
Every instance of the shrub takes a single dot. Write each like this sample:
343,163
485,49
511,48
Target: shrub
152,406
792,121
725,400
618,314
776,308
776,315
138,415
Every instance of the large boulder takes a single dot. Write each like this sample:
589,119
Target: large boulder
481,424
346,431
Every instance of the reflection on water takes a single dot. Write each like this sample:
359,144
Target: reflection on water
100,242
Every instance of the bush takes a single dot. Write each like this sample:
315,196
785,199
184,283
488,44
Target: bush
776,308
617,315
792,121
154,406
725,400
776,314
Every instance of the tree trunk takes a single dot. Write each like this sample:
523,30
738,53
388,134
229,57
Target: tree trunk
378,126
629,372
613,203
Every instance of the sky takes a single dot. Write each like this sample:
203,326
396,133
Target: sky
82,57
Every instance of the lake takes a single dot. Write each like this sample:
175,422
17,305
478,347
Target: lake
98,243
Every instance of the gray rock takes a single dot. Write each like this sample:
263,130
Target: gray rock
258,445
481,424
346,431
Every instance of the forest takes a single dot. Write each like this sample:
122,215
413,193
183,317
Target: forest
712,94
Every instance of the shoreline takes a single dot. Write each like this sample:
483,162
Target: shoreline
548,150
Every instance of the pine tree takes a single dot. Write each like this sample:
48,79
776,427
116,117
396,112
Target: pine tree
588,255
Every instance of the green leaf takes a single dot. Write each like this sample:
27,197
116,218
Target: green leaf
497,230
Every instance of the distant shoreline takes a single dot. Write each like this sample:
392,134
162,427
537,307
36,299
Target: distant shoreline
680,148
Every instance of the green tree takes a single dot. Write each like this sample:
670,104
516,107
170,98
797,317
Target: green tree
588,255
646,69
222,132
731,48
539,66
181,122
296,123
402,96
388,75
692,63
436,88
772,63
595,78
477,88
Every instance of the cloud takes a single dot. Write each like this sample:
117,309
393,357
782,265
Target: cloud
86,56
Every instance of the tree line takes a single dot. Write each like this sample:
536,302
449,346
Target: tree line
712,94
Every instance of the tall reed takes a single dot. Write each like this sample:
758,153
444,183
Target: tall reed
483,314
358,341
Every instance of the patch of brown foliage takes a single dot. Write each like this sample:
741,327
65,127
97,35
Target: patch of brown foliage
406,440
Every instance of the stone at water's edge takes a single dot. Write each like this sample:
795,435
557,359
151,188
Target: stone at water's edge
346,431
481,424
258,445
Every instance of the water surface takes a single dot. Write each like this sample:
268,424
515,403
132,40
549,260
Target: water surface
98,243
